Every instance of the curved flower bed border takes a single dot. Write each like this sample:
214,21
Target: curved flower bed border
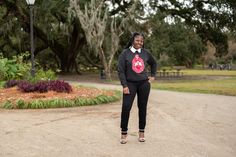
58,102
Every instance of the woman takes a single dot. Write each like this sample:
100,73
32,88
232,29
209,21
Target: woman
132,71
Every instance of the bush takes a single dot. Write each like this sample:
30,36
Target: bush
42,75
60,86
17,69
44,86
11,83
11,69
26,86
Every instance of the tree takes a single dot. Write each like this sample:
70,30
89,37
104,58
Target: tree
209,18
51,27
177,41
94,21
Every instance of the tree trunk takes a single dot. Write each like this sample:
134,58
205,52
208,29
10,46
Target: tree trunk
203,61
104,63
108,73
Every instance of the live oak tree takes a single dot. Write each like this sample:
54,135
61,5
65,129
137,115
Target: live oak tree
94,21
55,35
174,44
210,18
51,30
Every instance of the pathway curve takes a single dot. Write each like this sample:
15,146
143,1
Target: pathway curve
178,125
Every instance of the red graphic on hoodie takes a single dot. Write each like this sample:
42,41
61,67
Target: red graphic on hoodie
137,64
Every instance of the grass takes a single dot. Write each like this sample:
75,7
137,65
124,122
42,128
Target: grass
193,72
59,103
222,87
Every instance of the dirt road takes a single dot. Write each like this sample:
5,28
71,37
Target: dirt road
178,125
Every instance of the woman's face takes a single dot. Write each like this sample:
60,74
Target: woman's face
138,42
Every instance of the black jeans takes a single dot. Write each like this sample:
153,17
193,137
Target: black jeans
142,89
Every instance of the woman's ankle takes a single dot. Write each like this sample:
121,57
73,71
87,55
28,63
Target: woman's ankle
123,132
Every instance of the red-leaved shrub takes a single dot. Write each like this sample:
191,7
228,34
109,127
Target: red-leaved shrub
42,86
11,83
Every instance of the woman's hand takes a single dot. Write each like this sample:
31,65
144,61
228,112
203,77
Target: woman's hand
126,90
150,79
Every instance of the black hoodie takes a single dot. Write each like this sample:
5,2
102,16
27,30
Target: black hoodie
132,67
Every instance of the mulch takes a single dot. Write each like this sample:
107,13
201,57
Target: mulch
13,94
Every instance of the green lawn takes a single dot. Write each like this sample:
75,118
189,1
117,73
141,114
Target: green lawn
209,72
223,86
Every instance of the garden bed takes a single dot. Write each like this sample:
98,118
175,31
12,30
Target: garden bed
80,96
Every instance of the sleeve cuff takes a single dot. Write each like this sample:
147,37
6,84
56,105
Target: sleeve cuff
153,75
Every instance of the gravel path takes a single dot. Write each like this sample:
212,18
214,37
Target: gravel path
178,125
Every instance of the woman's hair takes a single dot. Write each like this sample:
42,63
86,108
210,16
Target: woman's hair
131,40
